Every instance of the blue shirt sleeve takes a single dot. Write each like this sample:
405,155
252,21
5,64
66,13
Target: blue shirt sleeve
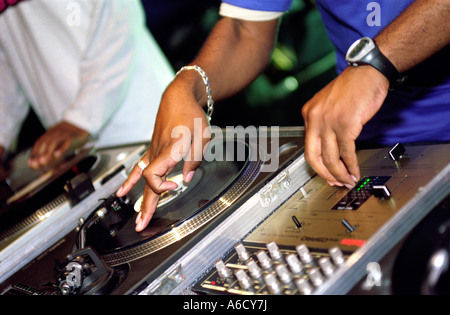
262,5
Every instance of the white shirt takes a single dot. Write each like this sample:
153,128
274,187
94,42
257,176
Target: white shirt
91,63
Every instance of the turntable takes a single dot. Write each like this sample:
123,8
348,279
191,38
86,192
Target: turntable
40,206
106,256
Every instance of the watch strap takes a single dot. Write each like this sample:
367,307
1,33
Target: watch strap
380,62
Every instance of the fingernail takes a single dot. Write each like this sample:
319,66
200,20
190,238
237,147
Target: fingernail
349,186
354,178
189,176
119,191
139,226
138,218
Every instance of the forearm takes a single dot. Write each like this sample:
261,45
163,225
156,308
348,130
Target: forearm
419,32
235,53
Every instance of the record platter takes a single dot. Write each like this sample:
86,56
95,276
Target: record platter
122,261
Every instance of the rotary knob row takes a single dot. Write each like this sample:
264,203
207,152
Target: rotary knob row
278,271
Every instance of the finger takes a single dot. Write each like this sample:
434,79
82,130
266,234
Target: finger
45,148
332,160
189,169
194,158
149,204
39,147
156,184
133,178
156,173
62,147
313,155
350,159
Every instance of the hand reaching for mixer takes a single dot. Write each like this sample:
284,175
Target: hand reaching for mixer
334,118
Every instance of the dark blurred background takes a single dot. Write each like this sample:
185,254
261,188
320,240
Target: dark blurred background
302,62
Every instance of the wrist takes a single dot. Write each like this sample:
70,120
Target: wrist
197,83
365,51
182,98
189,82
375,77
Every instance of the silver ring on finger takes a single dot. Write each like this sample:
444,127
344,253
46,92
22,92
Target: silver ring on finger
142,165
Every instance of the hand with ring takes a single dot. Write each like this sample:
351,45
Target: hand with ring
168,148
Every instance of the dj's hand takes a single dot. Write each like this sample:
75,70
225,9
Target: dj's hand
51,147
181,131
334,118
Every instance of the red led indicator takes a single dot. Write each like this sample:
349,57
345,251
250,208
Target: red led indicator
353,242
213,282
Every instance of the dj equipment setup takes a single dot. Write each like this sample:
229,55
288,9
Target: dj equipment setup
255,219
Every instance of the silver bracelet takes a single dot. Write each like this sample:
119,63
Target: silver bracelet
209,99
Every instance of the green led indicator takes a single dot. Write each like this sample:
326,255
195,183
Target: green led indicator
363,184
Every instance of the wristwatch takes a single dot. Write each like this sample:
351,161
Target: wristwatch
365,52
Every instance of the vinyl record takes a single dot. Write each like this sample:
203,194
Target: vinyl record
214,187
31,194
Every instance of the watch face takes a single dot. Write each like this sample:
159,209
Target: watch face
359,49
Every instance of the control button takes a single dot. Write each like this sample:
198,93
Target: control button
272,283
274,251
396,152
244,280
381,191
304,254
283,273
242,252
326,265
298,224
223,271
254,269
350,228
303,286
315,276
337,256
294,263
264,260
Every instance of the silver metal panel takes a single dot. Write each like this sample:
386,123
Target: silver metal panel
419,181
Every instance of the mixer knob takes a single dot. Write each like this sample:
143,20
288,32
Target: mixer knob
244,280
326,265
242,252
396,152
223,271
264,260
315,276
304,254
381,191
283,273
303,286
273,284
254,269
294,263
274,251
337,256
